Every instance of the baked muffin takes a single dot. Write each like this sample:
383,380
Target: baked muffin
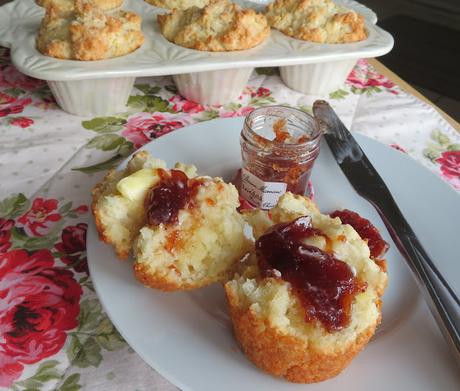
179,4
307,300
320,21
68,5
184,229
220,26
87,33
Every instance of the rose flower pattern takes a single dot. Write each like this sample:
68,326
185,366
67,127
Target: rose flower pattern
72,247
39,303
41,217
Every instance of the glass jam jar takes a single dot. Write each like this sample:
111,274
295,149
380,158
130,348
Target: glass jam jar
279,146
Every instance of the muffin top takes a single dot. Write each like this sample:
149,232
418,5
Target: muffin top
272,297
179,4
87,33
218,27
69,5
320,21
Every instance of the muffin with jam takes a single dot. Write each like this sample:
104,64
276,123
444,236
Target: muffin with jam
184,230
308,298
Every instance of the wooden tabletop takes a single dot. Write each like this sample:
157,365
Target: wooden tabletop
408,88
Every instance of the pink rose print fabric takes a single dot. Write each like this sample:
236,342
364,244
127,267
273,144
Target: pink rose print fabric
39,220
183,105
361,77
38,304
450,167
10,77
142,128
72,247
5,234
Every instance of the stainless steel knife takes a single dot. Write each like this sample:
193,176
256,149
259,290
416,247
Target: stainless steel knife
443,302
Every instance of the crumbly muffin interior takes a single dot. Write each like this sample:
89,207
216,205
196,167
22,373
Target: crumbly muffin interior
203,246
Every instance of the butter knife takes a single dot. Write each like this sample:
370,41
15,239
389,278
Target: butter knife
442,300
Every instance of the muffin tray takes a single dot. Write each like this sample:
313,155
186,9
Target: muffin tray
19,22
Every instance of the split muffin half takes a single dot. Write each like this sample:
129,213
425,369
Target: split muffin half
184,230
308,298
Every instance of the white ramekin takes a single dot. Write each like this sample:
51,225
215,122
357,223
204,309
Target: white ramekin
92,97
213,87
317,79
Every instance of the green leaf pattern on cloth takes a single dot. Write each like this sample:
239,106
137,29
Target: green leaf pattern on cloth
104,124
71,383
13,206
94,334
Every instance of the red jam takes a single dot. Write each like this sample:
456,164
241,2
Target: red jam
365,229
278,146
281,133
164,200
325,285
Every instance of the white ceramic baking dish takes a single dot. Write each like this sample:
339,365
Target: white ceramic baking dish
317,79
103,87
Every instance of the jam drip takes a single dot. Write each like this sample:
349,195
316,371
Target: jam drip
325,285
365,229
164,200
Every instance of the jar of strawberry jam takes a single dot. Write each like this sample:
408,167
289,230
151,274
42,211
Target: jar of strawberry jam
279,146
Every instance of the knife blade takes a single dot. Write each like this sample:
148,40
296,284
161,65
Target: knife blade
443,302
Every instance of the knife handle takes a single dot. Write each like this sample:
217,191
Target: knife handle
442,300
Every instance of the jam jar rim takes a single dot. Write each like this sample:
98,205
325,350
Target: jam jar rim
313,142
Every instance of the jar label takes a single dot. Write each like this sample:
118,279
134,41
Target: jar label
261,194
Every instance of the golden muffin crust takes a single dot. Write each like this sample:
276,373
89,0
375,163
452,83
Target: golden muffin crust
68,5
320,21
288,355
179,4
218,27
268,317
87,33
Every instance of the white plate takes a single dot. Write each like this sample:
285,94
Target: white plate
20,19
187,337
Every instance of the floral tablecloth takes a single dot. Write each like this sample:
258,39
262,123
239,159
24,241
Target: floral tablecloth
53,331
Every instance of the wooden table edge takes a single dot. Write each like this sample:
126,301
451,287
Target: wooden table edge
379,67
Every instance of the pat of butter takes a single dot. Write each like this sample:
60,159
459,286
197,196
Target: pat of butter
135,186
